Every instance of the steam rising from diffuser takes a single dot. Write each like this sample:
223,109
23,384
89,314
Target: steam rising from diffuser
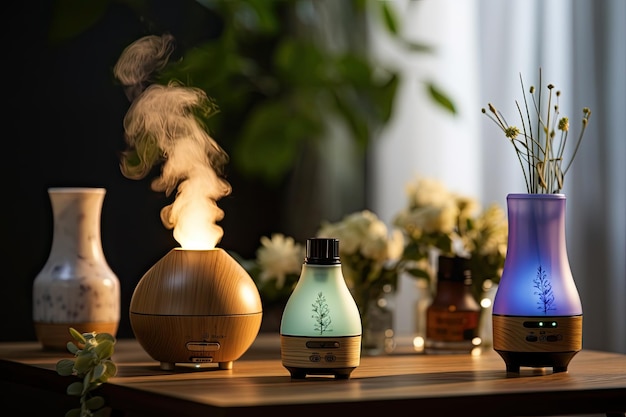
163,125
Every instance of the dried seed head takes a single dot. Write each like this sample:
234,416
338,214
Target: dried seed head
511,132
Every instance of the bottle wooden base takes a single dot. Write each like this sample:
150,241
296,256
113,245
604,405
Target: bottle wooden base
55,336
337,356
537,341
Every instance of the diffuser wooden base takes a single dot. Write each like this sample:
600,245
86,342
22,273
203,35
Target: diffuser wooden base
201,339
537,341
55,336
303,355
196,306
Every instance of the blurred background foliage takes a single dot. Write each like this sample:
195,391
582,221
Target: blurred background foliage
279,70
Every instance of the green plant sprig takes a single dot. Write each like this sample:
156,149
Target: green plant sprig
94,365
540,157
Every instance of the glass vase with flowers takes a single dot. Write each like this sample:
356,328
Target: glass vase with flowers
537,313
438,222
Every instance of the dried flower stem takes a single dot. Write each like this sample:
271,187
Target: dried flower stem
540,159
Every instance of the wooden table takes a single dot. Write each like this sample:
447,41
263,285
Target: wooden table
258,384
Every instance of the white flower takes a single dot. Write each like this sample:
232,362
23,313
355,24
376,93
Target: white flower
369,254
490,232
395,246
365,234
437,220
279,257
427,192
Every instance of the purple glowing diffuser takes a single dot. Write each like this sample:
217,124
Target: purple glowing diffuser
537,313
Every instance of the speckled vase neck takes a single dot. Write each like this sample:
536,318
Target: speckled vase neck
76,287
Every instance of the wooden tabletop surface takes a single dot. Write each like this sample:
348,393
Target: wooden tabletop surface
474,385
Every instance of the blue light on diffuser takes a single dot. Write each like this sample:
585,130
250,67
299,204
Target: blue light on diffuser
536,280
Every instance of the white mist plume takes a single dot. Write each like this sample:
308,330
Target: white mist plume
162,126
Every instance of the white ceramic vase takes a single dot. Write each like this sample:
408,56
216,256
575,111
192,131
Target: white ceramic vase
76,287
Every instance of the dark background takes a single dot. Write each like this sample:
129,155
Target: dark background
63,127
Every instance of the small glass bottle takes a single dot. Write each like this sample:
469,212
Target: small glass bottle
453,316
320,330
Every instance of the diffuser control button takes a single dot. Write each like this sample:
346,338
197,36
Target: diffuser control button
203,346
531,338
203,359
318,344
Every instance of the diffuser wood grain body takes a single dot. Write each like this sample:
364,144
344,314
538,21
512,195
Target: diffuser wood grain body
521,345
196,306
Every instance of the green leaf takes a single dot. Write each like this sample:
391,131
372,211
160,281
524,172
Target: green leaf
357,124
301,63
74,412
72,348
275,133
94,403
354,70
105,337
84,362
99,371
75,389
418,273
104,349
384,97
111,369
416,47
265,16
80,338
65,367
389,17
441,98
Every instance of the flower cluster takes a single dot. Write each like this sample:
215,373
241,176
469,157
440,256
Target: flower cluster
277,267
435,221
540,156
369,259
438,221
369,254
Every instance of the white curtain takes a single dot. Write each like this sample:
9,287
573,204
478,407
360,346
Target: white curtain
482,47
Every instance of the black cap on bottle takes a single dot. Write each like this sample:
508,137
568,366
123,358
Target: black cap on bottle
454,268
322,251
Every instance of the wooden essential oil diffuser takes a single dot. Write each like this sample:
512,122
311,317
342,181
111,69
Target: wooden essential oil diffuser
196,306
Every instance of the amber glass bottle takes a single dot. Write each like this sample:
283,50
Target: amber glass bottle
452,318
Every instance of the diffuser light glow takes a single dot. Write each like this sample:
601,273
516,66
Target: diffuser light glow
537,279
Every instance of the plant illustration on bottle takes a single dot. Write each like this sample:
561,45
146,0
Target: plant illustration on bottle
544,291
321,314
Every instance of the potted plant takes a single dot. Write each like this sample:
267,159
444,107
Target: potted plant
93,366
